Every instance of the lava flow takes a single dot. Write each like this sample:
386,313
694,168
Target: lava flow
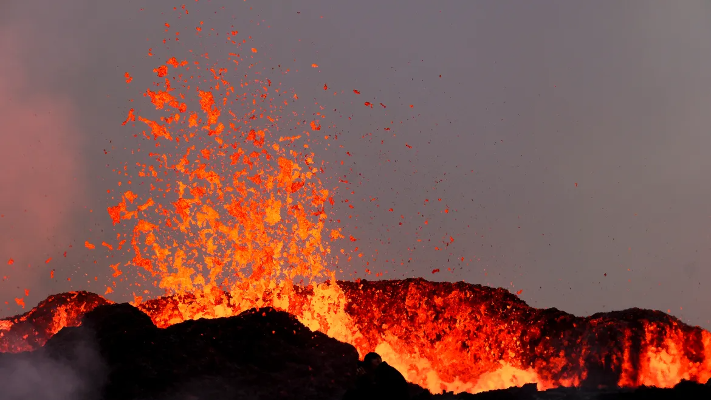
236,219
443,336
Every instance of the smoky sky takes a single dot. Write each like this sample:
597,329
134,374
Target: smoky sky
568,141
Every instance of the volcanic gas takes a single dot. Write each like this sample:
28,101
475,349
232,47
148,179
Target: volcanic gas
236,218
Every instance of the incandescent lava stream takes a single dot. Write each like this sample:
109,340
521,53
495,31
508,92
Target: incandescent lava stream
451,336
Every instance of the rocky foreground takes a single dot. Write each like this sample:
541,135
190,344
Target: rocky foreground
118,353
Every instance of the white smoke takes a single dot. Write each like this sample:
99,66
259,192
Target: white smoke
77,374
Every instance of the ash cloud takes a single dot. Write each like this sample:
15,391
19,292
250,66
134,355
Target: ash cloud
38,155
77,375
42,180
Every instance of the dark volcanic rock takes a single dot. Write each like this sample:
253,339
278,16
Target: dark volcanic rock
686,390
260,354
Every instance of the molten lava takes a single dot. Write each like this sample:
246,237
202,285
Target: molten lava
236,217
451,336
32,329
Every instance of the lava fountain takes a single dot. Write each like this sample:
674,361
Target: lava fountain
236,218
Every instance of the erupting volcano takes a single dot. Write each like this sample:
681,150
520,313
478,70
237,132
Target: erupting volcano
234,215
442,336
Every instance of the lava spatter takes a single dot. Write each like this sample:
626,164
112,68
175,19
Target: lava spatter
240,207
237,213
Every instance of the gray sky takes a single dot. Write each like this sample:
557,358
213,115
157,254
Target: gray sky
533,98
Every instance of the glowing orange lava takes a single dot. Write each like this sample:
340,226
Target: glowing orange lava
232,204
443,336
